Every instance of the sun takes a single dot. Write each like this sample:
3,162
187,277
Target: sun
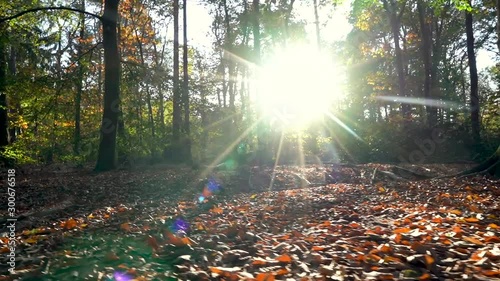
298,85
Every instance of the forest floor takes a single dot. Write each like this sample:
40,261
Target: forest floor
164,223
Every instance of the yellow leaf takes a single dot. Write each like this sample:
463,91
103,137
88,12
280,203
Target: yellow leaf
31,240
471,220
253,196
216,270
492,225
381,189
216,210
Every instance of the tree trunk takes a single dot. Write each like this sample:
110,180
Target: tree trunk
498,23
474,91
185,87
316,23
394,18
262,147
287,20
106,159
436,59
79,84
15,106
426,34
177,117
4,136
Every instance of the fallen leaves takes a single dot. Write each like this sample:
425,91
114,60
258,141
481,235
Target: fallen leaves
421,231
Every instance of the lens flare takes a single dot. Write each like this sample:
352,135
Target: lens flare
179,226
122,276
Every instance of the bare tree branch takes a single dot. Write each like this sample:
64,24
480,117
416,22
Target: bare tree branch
48,9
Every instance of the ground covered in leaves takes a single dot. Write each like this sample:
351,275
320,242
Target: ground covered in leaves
164,223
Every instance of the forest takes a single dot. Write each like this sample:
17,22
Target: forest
250,140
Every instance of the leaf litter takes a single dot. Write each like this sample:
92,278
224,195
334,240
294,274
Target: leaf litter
153,225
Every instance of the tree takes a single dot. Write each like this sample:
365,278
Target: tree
394,13
474,91
106,159
185,88
79,83
426,35
4,136
177,114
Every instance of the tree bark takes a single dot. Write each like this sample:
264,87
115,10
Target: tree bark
316,23
498,23
426,34
185,87
4,136
394,18
474,90
15,106
177,114
79,85
106,159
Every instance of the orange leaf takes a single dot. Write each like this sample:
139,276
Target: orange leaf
216,210
494,226
397,239
491,273
284,258
318,248
259,261
216,270
471,220
492,239
475,209
402,230
186,241
69,224
265,277
125,226
473,240
425,276
384,248
429,260
354,224
456,212
282,271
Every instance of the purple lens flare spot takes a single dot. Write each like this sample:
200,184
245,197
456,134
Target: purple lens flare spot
179,226
213,185
122,276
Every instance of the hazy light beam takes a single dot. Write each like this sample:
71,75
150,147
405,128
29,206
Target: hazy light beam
229,148
420,101
343,125
277,160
